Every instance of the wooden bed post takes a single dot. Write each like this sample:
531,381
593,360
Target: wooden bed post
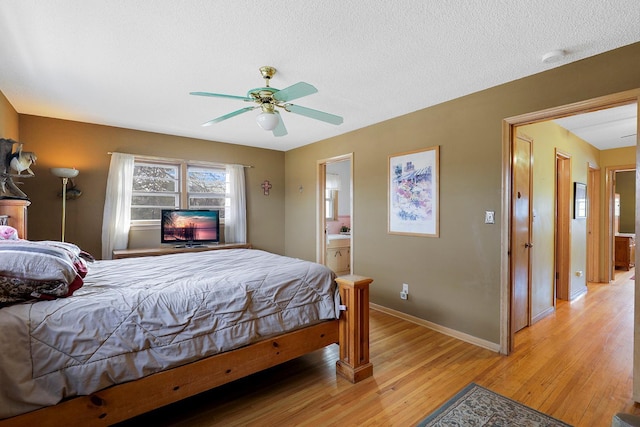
354,362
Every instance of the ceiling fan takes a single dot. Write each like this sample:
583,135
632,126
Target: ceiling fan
268,98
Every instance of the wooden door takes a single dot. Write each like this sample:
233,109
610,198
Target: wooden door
321,251
593,225
563,218
521,235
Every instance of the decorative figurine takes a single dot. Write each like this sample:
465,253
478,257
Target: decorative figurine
18,161
22,160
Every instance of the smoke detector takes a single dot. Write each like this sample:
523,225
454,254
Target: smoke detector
553,56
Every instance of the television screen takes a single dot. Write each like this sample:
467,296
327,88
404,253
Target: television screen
190,227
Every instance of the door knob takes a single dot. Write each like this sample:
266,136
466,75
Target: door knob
528,245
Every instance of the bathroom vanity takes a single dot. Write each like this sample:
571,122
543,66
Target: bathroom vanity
338,256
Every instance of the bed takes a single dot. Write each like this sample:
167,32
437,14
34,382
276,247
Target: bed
144,332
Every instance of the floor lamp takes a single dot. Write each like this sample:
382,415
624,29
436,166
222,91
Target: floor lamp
65,174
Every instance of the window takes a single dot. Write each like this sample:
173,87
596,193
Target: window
207,188
155,187
158,185
332,186
331,204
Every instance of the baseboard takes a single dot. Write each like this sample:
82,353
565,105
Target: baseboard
578,294
542,315
438,328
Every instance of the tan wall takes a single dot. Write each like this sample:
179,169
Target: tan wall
455,279
618,157
547,137
626,187
8,119
85,147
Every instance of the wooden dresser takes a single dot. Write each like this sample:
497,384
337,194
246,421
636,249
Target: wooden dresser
625,251
16,212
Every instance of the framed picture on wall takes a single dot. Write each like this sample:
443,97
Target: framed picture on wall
413,184
579,200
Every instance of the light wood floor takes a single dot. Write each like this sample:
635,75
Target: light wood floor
575,365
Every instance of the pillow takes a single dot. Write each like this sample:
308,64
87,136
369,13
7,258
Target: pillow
13,289
79,257
44,270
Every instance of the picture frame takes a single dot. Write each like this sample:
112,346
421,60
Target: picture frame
579,200
413,180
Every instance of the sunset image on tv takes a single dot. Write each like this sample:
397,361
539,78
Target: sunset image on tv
190,226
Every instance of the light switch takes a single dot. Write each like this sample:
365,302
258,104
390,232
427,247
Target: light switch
489,217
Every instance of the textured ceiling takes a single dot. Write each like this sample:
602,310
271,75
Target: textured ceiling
132,64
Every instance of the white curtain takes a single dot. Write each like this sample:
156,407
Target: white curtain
117,204
333,181
235,221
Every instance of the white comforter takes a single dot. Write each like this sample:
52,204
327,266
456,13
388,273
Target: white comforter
137,316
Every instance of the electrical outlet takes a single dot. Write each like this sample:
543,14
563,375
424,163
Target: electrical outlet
489,217
404,294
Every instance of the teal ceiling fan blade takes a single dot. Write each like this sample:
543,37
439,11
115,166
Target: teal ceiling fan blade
295,91
280,130
314,114
221,95
228,116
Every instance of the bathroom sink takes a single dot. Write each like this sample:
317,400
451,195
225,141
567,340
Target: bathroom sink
338,236
338,241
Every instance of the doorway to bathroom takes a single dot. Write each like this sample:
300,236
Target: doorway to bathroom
335,214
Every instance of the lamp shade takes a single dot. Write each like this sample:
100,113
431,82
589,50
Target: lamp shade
267,120
65,172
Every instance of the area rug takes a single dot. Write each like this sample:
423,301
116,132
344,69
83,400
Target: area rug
477,406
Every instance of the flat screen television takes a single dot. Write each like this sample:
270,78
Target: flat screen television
190,227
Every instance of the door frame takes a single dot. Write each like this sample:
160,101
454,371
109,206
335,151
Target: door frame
321,217
562,239
508,133
594,178
610,233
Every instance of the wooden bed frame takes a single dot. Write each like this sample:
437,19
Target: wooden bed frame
124,401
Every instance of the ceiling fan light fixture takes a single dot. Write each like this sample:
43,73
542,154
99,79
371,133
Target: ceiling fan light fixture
268,98
267,120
